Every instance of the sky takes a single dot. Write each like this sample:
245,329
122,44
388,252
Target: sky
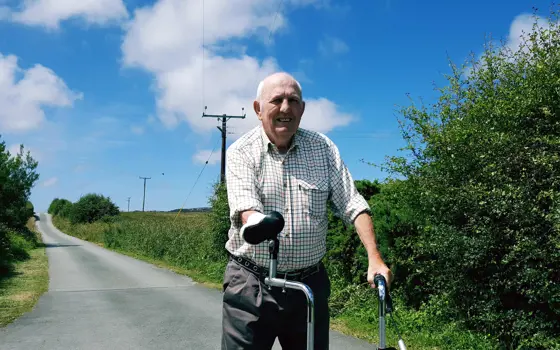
104,92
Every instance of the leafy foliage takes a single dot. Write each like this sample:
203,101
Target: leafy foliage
484,178
17,178
219,223
60,206
89,208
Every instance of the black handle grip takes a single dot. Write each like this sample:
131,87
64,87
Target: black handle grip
268,228
388,301
379,278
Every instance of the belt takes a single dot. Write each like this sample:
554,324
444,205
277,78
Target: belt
262,272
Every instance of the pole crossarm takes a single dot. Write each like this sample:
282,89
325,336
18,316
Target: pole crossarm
223,129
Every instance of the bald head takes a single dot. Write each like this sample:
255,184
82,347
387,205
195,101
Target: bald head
279,106
273,79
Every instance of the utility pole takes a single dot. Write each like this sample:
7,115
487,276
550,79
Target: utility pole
128,203
144,198
224,118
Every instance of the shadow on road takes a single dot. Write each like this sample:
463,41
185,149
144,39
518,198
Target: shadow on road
58,245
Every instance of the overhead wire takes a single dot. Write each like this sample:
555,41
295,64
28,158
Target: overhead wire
204,91
203,54
193,186
274,20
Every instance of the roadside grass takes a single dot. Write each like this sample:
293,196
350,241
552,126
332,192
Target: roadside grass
21,288
183,244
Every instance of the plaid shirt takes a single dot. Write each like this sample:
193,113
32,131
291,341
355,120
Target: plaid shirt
298,185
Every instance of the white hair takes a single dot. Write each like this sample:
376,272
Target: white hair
261,86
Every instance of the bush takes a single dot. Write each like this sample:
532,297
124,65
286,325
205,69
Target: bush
14,246
65,209
17,178
60,207
484,178
91,207
219,223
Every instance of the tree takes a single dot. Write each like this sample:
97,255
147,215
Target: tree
90,208
484,177
17,178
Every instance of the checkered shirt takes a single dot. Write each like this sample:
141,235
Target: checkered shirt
297,184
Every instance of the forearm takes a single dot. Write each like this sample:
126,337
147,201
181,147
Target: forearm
364,228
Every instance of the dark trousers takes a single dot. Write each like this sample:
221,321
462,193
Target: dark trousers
253,316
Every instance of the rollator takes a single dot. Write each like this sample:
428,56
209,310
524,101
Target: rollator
260,228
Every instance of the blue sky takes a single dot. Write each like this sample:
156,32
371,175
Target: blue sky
106,92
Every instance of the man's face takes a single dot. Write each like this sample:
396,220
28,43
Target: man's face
280,109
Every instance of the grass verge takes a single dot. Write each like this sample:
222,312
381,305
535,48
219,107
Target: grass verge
21,288
184,246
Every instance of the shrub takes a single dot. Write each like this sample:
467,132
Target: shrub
60,207
220,222
484,178
17,178
91,207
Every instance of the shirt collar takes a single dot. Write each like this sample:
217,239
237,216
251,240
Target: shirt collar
296,140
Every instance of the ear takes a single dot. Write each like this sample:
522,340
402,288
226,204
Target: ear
302,107
257,108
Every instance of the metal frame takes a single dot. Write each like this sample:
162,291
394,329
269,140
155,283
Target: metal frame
273,281
383,296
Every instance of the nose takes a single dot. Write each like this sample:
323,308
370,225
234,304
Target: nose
285,107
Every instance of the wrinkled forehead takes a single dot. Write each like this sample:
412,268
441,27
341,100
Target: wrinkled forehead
282,87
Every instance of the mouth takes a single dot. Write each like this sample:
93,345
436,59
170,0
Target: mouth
284,120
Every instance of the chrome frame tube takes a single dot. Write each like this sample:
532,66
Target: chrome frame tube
382,309
283,283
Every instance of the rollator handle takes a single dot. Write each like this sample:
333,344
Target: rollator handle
260,228
385,306
384,292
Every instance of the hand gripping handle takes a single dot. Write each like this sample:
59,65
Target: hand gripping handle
260,228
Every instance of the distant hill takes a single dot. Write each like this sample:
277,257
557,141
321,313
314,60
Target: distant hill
188,210
191,210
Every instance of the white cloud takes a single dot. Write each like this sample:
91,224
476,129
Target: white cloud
207,155
50,182
49,13
331,45
138,130
22,101
322,115
522,25
166,40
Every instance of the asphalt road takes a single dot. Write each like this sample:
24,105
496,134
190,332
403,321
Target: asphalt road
98,299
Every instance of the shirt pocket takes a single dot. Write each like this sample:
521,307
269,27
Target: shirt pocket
314,195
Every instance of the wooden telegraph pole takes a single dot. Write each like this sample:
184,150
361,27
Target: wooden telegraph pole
224,118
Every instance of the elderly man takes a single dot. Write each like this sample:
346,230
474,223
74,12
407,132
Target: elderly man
279,166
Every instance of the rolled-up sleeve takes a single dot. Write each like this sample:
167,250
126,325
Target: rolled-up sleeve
241,186
349,203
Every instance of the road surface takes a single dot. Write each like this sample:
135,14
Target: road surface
99,299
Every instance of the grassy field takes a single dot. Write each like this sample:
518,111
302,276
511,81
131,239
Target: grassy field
184,244
21,289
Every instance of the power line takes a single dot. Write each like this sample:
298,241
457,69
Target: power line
203,54
274,20
192,188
